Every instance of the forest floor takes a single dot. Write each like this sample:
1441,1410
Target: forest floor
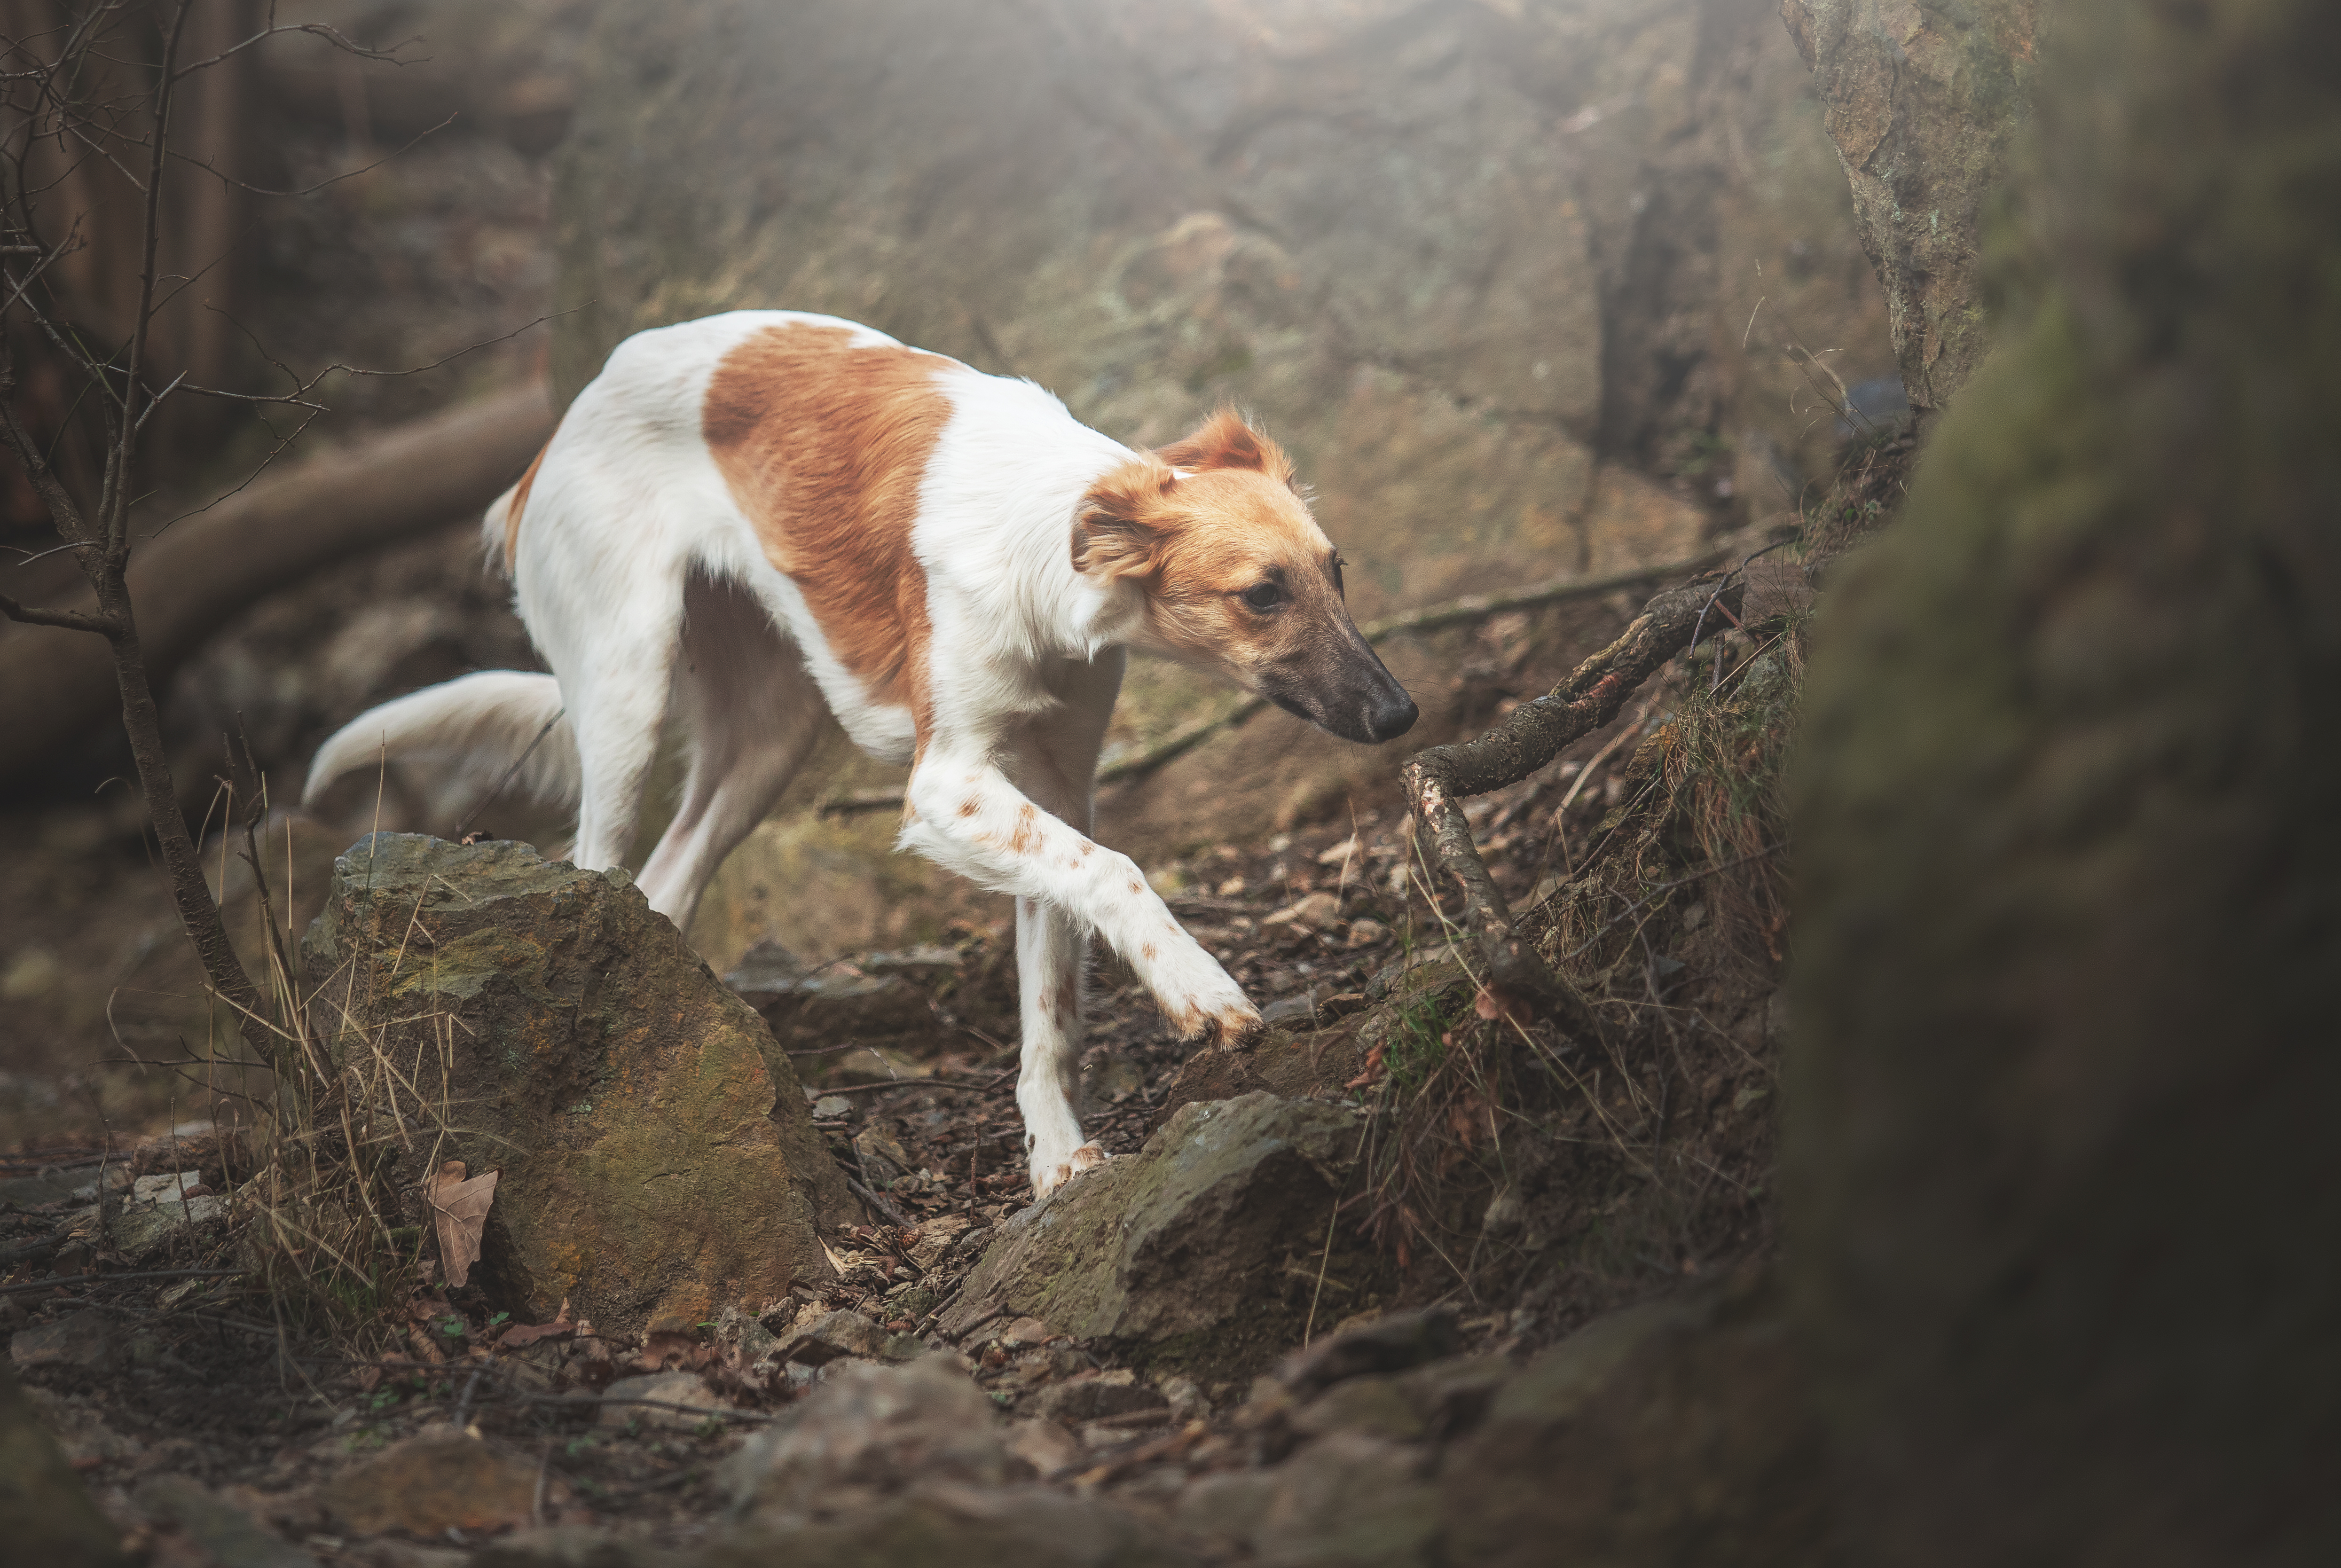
190,1377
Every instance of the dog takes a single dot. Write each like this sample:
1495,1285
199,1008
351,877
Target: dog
756,515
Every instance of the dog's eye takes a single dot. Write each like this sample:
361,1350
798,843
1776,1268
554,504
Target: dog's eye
1263,595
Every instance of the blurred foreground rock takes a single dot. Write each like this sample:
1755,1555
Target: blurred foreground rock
46,1515
1195,1254
656,1154
2062,1081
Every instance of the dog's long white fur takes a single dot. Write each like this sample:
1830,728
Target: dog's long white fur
644,586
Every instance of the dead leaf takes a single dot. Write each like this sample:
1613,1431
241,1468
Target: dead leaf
521,1334
1493,1003
460,1210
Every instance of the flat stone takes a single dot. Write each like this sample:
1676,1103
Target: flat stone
90,1338
869,1430
1045,1445
847,1333
962,1525
1376,1406
1091,1398
655,1154
431,1483
665,1388
1391,1343
142,1229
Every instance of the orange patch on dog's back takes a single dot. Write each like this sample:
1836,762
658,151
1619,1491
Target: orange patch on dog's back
824,445
519,504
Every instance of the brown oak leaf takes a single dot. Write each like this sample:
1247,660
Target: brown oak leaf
520,1335
460,1210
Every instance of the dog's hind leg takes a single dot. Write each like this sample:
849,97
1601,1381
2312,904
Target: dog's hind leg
1053,760
751,715
614,661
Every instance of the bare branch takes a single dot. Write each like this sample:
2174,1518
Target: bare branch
114,504
1438,779
70,620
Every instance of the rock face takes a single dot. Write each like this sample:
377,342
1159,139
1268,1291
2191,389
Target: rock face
2060,1087
656,1154
1197,1252
1926,101
1487,269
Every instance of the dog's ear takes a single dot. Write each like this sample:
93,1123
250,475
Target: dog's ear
1124,520
1225,441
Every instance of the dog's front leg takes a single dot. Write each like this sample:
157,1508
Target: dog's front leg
966,815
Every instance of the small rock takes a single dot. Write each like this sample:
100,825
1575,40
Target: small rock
1186,1398
1316,912
1092,1398
1025,1330
970,1527
1367,933
1290,1010
159,1208
32,973
934,1239
832,1107
80,1429
90,1338
1388,1344
224,1534
1045,1445
882,1156
664,1388
1173,1246
1112,1079
847,1333
870,1429
1351,1499
435,1482
1227,1507
152,1189
1373,1405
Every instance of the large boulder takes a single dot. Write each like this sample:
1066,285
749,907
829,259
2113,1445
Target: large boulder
518,1014
2061,1083
1488,269
1199,1252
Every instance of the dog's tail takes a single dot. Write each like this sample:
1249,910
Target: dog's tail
482,724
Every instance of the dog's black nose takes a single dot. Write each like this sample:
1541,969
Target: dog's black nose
1391,716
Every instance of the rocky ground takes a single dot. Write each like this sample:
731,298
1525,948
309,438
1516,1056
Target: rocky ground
1207,1350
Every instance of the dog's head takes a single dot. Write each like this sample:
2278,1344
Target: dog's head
1237,577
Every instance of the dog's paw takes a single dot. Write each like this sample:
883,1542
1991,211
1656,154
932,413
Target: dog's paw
1235,1031
1050,1175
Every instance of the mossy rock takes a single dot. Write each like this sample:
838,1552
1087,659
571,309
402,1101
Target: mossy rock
1195,1254
656,1154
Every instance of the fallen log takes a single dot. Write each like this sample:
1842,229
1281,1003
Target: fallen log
57,685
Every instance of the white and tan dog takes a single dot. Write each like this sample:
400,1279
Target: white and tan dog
751,515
